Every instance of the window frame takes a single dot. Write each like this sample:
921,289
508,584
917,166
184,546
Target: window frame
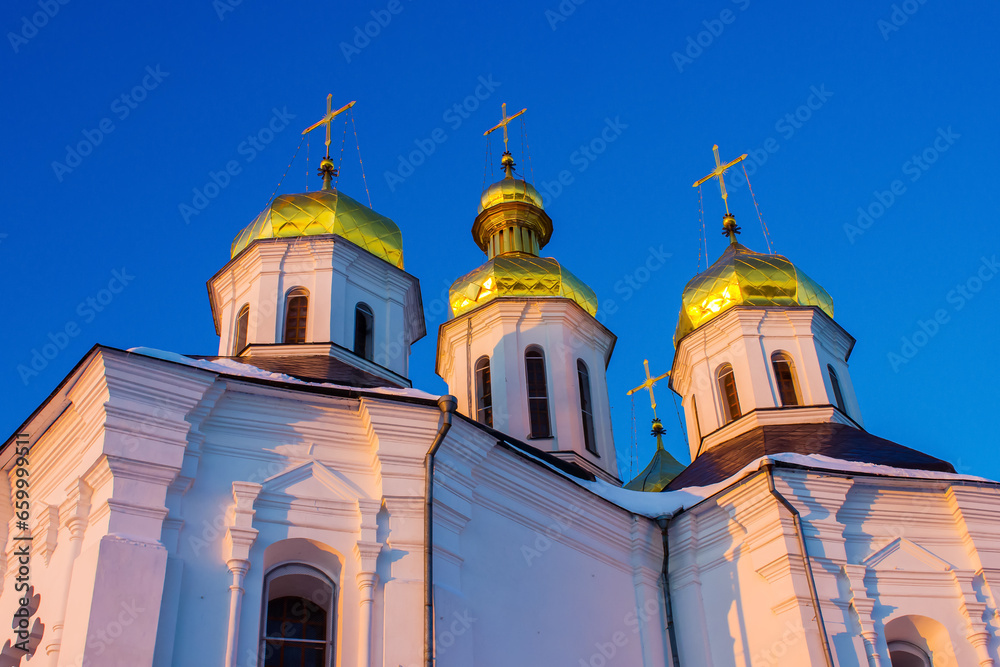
536,352
362,309
290,296
909,648
587,407
721,373
282,569
242,329
484,399
838,391
785,383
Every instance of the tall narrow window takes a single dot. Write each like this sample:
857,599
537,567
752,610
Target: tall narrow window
784,376
296,306
484,392
364,329
586,407
298,622
242,324
838,394
727,389
538,397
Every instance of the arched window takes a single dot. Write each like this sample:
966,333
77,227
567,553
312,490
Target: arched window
586,407
838,394
784,376
484,392
242,324
727,390
296,307
298,625
364,330
905,654
538,397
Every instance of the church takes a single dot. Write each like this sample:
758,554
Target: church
293,500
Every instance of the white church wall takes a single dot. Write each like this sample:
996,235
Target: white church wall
746,338
337,275
503,330
580,575
881,550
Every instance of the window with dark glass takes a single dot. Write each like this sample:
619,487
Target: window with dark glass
727,389
838,394
484,392
242,324
784,377
297,629
586,407
538,398
295,635
296,306
364,330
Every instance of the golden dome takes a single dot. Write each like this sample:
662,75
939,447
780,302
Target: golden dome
519,274
325,212
509,189
742,277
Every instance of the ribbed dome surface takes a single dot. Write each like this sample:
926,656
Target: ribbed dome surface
742,277
325,212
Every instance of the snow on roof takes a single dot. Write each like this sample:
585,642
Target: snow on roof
669,503
235,368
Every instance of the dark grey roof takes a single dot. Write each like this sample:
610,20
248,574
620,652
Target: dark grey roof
314,368
837,441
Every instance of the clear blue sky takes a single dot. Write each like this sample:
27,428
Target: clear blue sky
886,82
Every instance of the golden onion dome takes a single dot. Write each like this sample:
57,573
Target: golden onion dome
519,274
509,189
325,212
742,277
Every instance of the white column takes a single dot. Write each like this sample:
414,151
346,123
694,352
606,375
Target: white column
78,508
239,538
367,550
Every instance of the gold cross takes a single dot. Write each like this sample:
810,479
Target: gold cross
503,123
718,172
328,118
648,385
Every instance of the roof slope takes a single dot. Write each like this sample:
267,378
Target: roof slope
313,368
837,441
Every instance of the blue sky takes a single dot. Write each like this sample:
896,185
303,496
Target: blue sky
885,107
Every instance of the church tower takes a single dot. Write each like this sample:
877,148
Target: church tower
315,286
757,345
523,352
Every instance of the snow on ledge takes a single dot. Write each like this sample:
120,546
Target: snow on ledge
231,367
669,503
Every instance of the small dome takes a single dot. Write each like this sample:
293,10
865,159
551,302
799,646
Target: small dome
509,189
742,277
325,212
521,275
